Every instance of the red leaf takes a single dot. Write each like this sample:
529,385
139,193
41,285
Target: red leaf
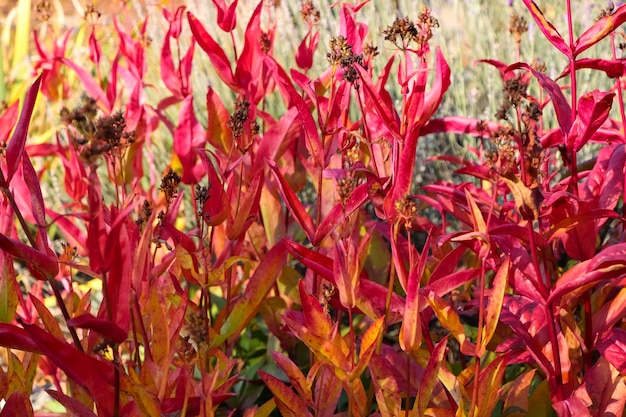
599,30
47,265
109,330
547,28
276,136
313,141
247,208
15,148
450,282
7,121
461,125
612,67
71,404
216,54
175,21
37,205
593,110
561,107
411,330
293,203
604,183
188,135
250,61
226,16
289,404
94,375
613,347
111,92
430,377
120,253
340,212
96,230
14,337
217,205
294,374
17,405
304,55
403,177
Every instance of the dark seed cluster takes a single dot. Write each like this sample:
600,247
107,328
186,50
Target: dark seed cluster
403,32
98,136
169,185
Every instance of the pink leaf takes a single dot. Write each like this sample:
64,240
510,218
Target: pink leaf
216,54
7,121
313,141
304,55
95,52
92,88
612,67
226,16
549,31
217,205
15,148
188,136
599,30
168,72
250,60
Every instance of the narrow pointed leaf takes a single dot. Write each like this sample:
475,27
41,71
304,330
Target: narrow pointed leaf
289,404
216,54
340,212
246,307
600,29
430,377
494,303
547,28
89,83
15,148
293,203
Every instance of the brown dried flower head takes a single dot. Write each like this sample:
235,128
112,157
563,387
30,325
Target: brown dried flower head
517,26
169,185
144,213
43,9
341,54
237,120
310,14
403,32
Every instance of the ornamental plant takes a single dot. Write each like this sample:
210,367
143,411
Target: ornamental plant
284,262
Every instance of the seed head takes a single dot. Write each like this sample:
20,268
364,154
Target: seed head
169,185
310,14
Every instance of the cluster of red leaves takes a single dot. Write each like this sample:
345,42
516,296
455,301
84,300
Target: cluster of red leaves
534,256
